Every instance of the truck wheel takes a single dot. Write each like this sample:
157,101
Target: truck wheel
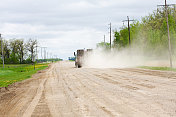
76,65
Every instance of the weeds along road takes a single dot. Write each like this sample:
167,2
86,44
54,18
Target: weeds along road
65,91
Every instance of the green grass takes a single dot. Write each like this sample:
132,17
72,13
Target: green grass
159,68
15,73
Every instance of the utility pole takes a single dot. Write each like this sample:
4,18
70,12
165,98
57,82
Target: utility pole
41,53
129,29
36,52
110,34
44,52
43,48
174,11
170,54
128,20
2,50
168,33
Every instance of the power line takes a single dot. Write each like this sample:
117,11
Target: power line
167,5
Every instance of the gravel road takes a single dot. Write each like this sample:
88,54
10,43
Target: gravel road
65,91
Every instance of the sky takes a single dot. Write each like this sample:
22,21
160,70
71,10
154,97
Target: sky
63,26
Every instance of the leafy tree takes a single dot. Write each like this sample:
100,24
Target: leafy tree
103,45
21,50
117,42
17,51
7,51
31,46
150,35
14,51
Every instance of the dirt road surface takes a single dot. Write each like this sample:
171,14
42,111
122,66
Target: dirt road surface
65,91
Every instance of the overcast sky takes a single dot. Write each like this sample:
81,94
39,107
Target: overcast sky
63,26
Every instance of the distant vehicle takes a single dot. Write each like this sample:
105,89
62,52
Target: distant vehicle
71,58
80,56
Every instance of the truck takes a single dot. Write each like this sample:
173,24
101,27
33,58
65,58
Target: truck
80,56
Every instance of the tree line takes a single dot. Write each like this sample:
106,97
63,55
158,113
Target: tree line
150,33
18,51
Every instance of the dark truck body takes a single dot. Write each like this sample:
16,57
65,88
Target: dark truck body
80,56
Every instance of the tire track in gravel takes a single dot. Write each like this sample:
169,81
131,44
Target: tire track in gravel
65,91
155,97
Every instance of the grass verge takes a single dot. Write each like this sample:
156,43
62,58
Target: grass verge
14,73
159,68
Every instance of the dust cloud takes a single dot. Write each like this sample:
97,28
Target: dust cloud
124,58
112,59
